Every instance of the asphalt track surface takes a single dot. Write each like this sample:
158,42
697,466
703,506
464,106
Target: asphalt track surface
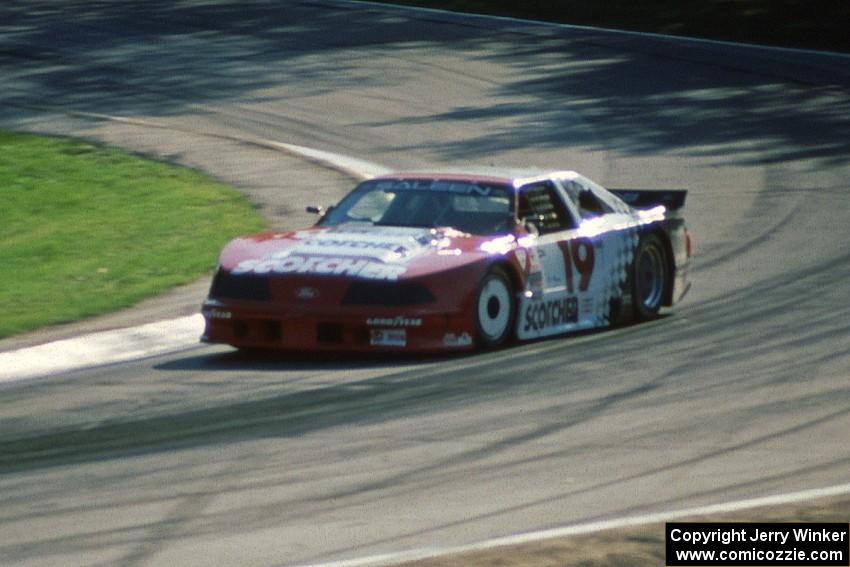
204,457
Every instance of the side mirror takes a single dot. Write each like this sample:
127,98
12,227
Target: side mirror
316,210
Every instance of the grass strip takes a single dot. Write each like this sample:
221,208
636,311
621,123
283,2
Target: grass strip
86,229
806,24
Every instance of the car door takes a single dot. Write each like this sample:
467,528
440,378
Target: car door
611,228
563,263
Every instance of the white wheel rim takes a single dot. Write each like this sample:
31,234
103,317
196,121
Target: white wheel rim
494,308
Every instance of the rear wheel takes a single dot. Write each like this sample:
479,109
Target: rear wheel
495,309
649,278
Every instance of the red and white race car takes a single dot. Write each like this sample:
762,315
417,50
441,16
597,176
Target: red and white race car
453,261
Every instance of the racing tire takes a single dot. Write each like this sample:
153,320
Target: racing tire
494,309
649,278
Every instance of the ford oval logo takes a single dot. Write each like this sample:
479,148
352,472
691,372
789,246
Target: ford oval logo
306,293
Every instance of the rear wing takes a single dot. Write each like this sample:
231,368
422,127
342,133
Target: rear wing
672,199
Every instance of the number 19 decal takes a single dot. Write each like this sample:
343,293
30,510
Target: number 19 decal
578,254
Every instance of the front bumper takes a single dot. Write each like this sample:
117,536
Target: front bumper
347,330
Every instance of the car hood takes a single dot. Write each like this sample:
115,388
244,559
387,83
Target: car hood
358,251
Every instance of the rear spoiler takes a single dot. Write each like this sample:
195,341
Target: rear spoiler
672,199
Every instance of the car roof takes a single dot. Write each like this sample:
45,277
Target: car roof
515,177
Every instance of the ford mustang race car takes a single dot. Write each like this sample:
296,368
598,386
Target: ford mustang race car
454,261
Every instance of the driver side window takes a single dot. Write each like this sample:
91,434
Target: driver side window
542,210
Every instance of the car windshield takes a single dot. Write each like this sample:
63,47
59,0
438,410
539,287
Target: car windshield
476,208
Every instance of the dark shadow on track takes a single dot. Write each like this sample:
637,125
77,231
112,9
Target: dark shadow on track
278,360
163,58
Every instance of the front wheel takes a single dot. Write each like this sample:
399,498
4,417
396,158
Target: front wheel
495,309
649,278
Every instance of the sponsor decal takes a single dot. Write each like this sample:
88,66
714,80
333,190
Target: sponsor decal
553,313
218,314
453,340
398,321
320,265
449,252
380,255
306,293
393,245
460,187
372,248
388,337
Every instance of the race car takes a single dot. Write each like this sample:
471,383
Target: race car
450,261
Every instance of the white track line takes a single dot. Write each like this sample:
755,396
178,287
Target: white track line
591,527
122,345
357,168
